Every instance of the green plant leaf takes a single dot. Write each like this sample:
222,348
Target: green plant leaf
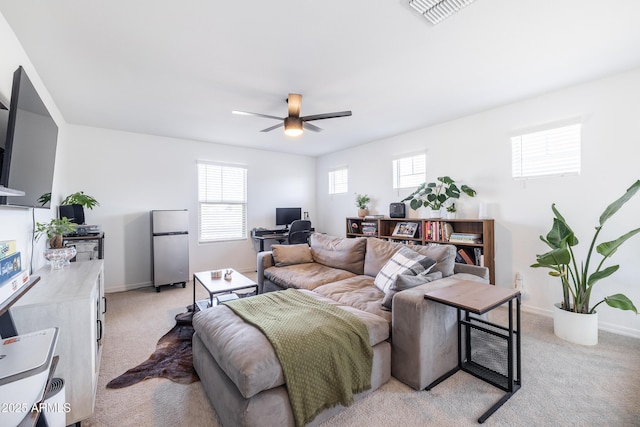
598,275
606,249
445,179
561,235
621,301
468,190
415,204
615,206
554,258
44,199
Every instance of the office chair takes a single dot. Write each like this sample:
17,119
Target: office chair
299,231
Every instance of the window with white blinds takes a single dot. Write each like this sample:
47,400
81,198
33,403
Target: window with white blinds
338,181
222,199
549,152
409,171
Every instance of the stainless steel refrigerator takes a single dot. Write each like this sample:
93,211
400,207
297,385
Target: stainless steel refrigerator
170,247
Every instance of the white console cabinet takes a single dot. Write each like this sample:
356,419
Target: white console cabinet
72,299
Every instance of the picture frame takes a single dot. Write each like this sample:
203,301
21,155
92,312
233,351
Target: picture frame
405,229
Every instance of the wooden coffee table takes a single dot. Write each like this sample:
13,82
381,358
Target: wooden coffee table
221,285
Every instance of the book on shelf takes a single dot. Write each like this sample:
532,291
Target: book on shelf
376,216
465,256
438,230
369,228
471,256
465,237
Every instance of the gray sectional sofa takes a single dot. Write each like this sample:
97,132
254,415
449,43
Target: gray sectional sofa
413,339
423,333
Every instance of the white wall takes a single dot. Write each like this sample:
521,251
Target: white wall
475,150
132,174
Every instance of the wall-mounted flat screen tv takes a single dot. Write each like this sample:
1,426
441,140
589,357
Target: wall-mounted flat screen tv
29,145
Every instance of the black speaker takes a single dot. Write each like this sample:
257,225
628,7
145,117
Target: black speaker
397,210
75,213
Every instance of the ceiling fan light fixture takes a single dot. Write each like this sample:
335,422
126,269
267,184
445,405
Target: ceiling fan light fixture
438,10
293,126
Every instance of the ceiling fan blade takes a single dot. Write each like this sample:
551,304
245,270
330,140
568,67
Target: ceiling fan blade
269,129
266,116
295,102
326,116
311,127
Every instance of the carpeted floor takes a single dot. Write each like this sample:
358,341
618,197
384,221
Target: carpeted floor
563,384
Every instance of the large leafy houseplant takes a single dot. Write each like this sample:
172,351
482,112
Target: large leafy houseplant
577,279
433,195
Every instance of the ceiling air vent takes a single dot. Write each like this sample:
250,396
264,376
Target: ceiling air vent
437,10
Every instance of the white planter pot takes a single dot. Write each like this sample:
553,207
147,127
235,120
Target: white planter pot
577,328
433,213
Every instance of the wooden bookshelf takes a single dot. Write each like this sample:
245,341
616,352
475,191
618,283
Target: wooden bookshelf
384,229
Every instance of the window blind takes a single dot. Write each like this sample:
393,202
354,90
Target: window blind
222,198
338,181
409,171
549,152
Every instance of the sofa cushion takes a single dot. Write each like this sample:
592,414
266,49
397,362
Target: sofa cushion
358,292
404,261
445,255
246,355
378,253
338,252
284,255
404,282
305,276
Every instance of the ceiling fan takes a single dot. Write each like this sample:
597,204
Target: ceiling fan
293,123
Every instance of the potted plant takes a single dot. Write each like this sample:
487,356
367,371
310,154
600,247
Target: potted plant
433,195
73,206
362,202
577,278
451,211
57,253
79,198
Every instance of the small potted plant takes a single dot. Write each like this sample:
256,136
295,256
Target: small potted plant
451,211
57,253
575,318
79,198
434,195
362,202
73,206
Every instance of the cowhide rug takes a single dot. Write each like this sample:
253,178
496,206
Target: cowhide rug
172,359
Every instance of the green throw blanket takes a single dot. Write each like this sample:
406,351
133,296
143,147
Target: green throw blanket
324,351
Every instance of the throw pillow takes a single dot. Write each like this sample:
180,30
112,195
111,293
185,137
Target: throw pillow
284,255
445,255
403,282
338,252
404,261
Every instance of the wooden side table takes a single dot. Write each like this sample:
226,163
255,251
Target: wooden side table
493,344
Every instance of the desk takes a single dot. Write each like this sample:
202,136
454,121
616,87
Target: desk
280,237
479,298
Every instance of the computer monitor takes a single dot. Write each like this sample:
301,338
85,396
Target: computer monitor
285,216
